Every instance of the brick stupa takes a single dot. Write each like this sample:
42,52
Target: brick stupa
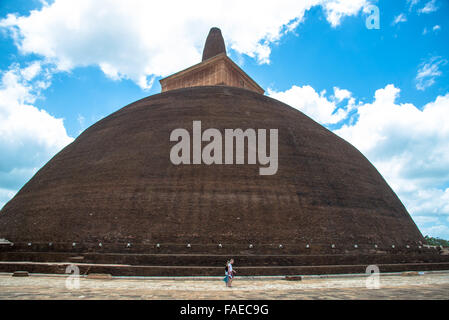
114,201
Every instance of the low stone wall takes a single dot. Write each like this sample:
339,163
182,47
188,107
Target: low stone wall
219,260
123,270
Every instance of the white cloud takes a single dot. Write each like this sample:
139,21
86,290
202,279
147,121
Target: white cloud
337,9
82,122
316,105
428,71
405,142
139,39
408,145
425,219
6,195
438,231
29,137
341,94
429,7
400,18
435,29
412,3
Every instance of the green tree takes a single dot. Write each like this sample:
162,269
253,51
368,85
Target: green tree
436,241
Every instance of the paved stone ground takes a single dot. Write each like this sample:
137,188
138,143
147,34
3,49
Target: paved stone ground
427,286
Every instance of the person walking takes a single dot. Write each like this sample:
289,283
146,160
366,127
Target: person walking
231,272
226,278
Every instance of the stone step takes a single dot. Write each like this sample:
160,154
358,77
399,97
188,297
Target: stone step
220,260
127,270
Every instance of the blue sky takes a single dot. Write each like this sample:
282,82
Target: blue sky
66,64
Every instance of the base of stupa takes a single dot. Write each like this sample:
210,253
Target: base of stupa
22,258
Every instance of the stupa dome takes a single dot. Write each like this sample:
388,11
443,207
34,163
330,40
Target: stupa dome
116,184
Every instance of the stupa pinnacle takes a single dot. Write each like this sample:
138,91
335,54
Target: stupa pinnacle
214,44
216,69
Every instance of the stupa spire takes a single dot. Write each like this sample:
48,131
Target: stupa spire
214,44
216,69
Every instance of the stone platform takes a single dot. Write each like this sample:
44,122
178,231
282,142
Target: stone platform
392,287
175,261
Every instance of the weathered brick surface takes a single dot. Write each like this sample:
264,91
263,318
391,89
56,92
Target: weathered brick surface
116,184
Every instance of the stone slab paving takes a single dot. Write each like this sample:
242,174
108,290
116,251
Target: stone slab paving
427,286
